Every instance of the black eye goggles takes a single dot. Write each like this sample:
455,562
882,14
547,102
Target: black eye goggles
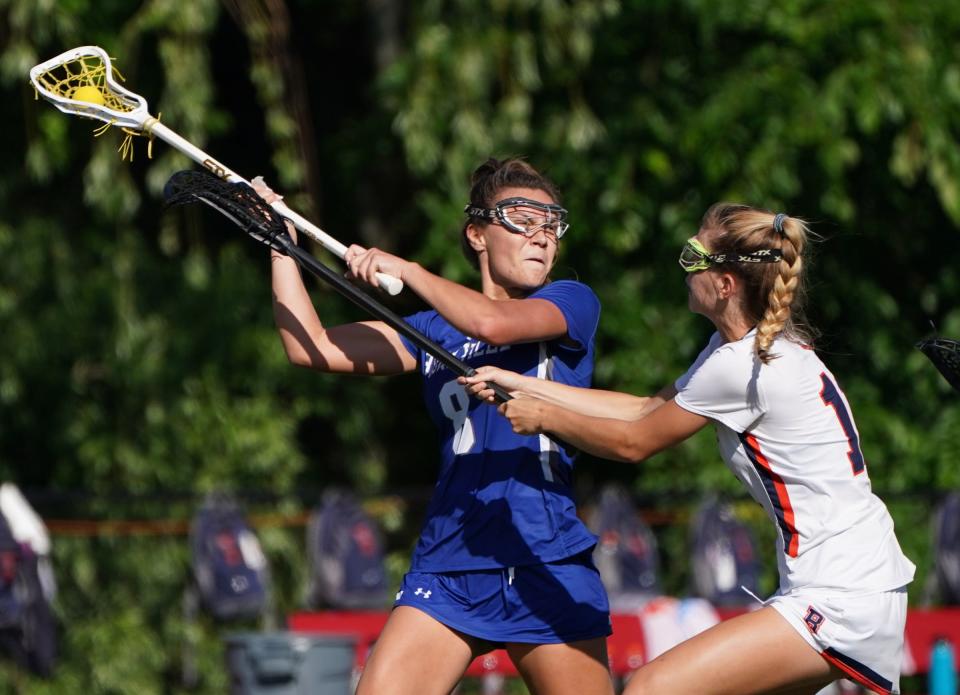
694,257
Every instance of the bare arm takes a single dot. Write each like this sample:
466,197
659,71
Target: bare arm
593,402
494,321
370,347
609,438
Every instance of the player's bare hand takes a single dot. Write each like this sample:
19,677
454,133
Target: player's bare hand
264,191
526,415
270,196
366,263
480,384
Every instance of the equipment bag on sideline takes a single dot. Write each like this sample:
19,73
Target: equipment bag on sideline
946,549
345,554
626,552
12,606
724,557
28,629
228,564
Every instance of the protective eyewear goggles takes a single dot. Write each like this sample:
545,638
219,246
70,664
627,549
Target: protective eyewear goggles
695,257
524,216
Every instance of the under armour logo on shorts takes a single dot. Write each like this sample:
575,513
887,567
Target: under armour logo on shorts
813,619
421,592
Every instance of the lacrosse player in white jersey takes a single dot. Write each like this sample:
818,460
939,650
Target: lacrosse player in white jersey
785,429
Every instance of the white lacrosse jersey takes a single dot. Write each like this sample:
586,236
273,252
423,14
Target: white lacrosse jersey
785,429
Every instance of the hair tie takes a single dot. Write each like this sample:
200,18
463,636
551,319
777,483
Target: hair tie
778,223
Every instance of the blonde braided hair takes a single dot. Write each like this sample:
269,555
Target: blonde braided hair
773,292
784,289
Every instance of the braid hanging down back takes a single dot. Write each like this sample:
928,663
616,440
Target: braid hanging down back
785,286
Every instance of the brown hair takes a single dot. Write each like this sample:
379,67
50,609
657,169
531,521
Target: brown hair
774,293
489,179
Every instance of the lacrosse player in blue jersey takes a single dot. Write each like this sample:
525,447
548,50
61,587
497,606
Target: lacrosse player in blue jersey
502,559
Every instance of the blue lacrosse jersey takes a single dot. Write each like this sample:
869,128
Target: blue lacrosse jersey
502,499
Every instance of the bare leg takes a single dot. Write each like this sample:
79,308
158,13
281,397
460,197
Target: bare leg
804,690
759,652
417,655
577,668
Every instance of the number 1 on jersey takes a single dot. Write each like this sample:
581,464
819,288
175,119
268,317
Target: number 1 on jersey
830,395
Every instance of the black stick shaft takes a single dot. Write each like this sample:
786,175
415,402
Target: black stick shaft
372,306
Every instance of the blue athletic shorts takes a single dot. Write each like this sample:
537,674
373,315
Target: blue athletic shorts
553,603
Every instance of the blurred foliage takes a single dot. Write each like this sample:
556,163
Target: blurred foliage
140,363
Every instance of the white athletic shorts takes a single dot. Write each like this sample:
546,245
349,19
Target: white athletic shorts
861,634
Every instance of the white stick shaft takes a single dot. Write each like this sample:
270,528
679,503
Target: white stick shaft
391,284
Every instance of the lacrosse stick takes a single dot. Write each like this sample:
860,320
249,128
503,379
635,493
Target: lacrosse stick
241,204
81,82
945,355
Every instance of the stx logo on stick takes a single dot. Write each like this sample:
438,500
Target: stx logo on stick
216,167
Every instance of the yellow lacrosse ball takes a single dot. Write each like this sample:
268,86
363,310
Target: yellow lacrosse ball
89,94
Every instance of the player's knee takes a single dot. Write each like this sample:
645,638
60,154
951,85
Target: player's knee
649,680
374,680
367,685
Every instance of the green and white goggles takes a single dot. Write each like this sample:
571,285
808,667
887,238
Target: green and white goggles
695,257
524,216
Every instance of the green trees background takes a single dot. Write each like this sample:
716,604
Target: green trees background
139,364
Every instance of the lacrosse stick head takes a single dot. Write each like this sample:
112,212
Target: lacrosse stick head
236,201
78,80
945,355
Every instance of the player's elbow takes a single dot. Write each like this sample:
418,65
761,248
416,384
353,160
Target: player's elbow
297,353
632,450
491,330
299,358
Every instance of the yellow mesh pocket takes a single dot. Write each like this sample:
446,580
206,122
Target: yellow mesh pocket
84,79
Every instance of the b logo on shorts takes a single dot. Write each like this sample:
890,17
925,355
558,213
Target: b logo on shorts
813,619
